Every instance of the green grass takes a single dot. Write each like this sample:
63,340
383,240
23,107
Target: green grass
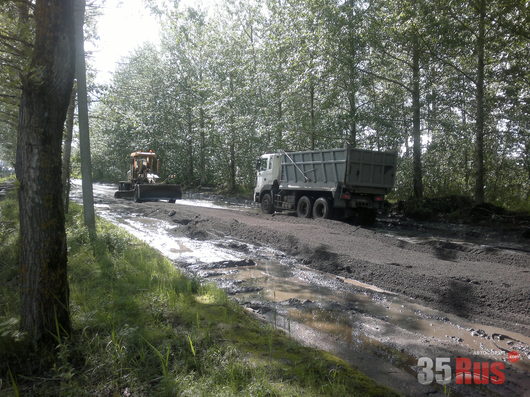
141,328
8,178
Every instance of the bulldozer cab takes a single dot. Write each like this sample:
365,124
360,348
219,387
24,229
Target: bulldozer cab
144,166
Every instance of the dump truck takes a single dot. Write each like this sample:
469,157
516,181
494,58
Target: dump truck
143,182
343,182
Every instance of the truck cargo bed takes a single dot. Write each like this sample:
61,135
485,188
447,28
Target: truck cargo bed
324,169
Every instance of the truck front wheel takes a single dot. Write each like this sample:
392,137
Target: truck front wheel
322,208
267,206
304,207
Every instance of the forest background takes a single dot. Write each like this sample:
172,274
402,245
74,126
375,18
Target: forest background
445,84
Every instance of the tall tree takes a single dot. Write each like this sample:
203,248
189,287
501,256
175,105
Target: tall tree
479,98
396,40
46,91
82,105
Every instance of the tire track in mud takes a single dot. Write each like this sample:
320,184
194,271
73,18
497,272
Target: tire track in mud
480,285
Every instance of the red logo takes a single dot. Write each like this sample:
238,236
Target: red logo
513,356
467,371
479,373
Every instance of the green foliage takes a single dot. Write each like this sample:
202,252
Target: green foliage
9,179
255,77
9,250
16,35
141,327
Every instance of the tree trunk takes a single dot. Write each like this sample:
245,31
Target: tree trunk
353,119
279,97
525,156
67,149
46,91
232,166
417,178
279,132
202,160
352,86
232,159
202,136
464,129
82,109
312,113
189,144
479,133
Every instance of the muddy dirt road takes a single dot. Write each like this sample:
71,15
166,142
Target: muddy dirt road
377,298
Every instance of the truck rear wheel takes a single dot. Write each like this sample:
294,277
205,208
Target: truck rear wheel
304,207
267,206
321,208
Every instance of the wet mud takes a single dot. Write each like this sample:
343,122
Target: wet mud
376,298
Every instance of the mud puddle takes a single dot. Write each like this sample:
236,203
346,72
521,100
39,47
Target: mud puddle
380,332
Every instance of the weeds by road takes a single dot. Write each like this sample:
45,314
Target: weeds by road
141,328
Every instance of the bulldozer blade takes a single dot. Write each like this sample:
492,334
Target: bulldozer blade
124,194
148,192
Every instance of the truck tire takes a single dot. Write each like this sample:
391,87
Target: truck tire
321,208
267,206
171,201
304,207
137,198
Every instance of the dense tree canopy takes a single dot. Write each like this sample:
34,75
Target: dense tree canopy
445,84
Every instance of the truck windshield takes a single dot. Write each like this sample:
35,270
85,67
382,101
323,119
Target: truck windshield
261,164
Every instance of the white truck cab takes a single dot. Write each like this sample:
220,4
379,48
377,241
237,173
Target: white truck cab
268,167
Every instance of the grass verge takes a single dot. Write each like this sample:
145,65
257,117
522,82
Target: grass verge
141,328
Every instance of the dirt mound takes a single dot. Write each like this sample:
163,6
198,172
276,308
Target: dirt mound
456,208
